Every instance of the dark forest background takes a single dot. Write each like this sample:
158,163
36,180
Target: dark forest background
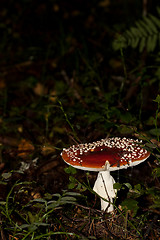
73,72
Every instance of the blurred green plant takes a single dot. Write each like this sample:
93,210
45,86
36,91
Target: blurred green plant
145,34
154,195
36,216
73,182
157,100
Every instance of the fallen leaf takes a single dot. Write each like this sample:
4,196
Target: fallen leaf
53,96
104,3
36,195
25,148
2,83
47,149
40,89
154,141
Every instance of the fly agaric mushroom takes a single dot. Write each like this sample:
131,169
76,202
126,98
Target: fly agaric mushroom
103,156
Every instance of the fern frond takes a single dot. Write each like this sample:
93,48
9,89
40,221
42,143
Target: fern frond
144,34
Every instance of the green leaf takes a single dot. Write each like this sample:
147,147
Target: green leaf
143,25
154,193
157,99
151,145
142,44
71,185
6,175
151,26
72,179
145,33
128,34
119,43
32,228
154,41
156,172
23,226
124,129
155,131
70,170
68,199
134,42
57,195
141,29
138,187
47,196
117,186
39,200
32,218
134,31
155,20
53,205
41,224
130,204
128,185
72,194
126,117
149,43
156,205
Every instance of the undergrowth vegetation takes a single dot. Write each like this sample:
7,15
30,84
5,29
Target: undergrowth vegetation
72,73
144,35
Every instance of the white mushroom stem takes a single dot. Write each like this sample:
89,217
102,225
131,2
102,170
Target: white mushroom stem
104,188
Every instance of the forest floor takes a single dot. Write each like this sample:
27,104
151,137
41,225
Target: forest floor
62,83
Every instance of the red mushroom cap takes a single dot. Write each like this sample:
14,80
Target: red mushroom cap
107,154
